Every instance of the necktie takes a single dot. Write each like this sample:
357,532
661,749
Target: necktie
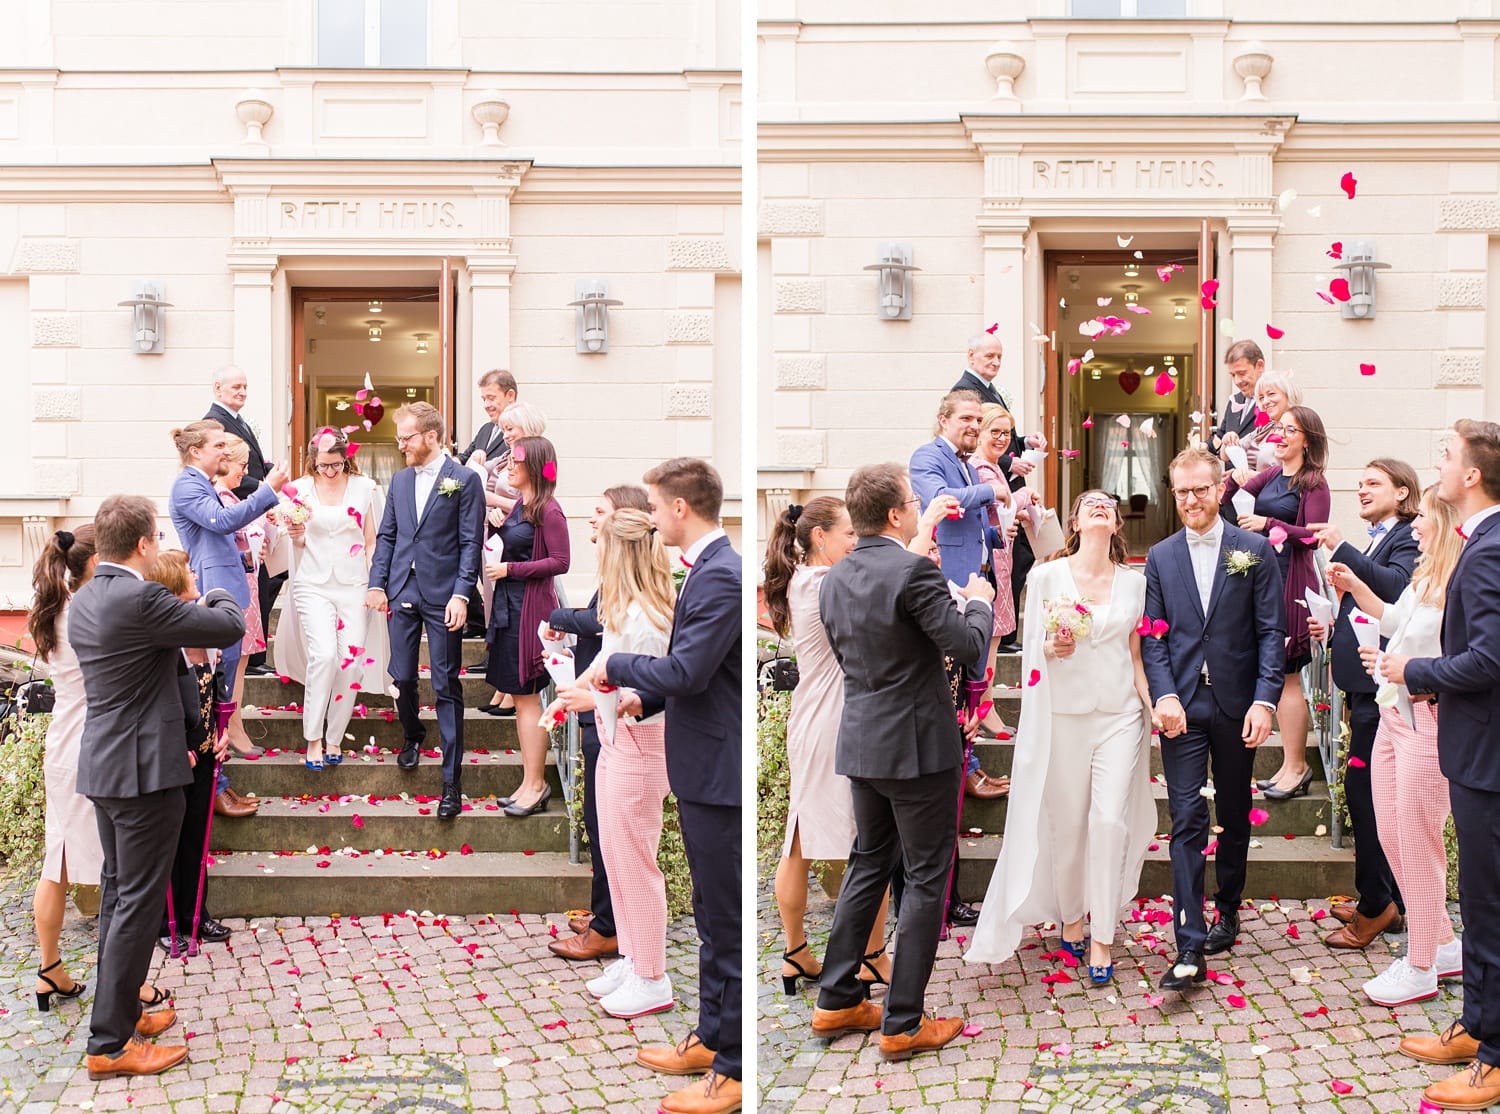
685,562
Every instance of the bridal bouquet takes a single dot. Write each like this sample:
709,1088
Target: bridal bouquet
1068,618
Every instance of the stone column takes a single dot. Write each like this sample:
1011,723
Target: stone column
1004,249
1249,281
254,337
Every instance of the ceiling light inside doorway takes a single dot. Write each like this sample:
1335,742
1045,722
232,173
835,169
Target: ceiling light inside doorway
377,306
1132,293
1095,373
1132,270
375,330
1179,309
320,315
411,392
421,343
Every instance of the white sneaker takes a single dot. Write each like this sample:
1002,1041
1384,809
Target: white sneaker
638,996
612,979
1401,983
1450,959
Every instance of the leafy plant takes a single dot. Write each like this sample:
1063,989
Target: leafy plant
773,775
23,792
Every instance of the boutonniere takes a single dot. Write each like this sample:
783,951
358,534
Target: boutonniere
449,487
1238,562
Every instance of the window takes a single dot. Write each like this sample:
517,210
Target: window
1128,9
391,33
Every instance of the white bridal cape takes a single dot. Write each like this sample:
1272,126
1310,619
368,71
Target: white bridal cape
1022,890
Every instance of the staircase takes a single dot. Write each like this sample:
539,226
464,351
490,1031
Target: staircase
1291,861
364,837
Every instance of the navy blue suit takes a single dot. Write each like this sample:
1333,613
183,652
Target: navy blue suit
1467,681
1241,640
1387,571
699,680
420,567
583,622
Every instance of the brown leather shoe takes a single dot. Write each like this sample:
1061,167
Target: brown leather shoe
1453,1046
588,946
689,1057
933,1033
579,920
1474,1088
985,788
240,799
1362,930
139,1057
224,805
150,1024
1344,911
863,1017
714,1094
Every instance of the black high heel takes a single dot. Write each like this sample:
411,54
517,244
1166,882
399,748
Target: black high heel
518,811
44,997
789,982
158,996
875,978
1298,790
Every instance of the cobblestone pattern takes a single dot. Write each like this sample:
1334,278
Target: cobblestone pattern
1286,1023
376,1014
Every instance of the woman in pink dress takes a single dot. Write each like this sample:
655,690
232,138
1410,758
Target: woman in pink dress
250,542
996,428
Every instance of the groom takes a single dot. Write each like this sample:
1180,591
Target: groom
1215,678
426,558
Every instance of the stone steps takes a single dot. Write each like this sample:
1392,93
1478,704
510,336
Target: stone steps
1300,868
269,692
281,773
995,756
1301,816
391,824
282,730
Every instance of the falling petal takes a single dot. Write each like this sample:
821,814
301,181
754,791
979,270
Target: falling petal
1134,308
1226,327
549,470
1143,628
1315,212
1034,679
1062,303
1326,297
1207,303
1335,250
1274,333
1367,369
1103,301
1069,453
1148,427
1088,423
1073,365
1088,354
518,452
1123,421
1213,845
1197,417
1347,183
1209,288
1284,200
1138,254
1124,241
1164,272
1259,816
1165,384
1159,627
1357,763
1276,535
1339,288
1262,419
993,329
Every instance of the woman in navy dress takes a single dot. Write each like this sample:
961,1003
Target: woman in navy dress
534,541
1288,495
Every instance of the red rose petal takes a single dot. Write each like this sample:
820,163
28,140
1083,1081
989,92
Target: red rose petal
1339,288
1348,183
1274,333
1035,678
1367,369
1338,1086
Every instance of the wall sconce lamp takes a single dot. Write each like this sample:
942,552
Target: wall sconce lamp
146,316
591,304
1359,266
895,271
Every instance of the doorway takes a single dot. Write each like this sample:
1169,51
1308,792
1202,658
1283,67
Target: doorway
1125,377
390,340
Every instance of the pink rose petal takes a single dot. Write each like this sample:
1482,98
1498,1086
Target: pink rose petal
1339,288
1338,1086
1335,250
1165,384
549,470
1213,845
972,1030
1259,816
1276,536
1367,369
1237,1001
1274,333
1348,183
1034,679
1357,763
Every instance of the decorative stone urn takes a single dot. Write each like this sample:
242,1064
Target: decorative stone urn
1253,64
1005,63
490,112
254,111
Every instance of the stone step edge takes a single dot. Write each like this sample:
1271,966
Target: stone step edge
342,862
1272,849
347,806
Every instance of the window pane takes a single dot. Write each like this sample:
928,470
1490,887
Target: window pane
341,32
403,32
1096,9
1160,9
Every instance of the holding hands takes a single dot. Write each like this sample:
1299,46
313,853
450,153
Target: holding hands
1329,536
1170,716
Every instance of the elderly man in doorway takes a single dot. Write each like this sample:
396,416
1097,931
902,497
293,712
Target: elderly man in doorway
981,367
1246,363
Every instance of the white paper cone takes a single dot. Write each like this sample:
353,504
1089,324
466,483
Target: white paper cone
1319,606
1237,457
1033,456
1367,634
561,646
605,714
1244,502
1007,514
560,668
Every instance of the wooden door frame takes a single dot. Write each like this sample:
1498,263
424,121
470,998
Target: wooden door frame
302,295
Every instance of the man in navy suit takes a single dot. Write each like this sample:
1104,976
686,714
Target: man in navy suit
1215,678
699,681
426,557
1388,496
1466,680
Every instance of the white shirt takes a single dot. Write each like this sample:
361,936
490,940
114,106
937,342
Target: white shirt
1414,629
117,565
691,554
426,477
1205,558
1472,522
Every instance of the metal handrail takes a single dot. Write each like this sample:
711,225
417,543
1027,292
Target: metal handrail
1317,678
566,745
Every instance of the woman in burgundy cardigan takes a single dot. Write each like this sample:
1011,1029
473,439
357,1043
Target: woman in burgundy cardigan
534,537
1288,495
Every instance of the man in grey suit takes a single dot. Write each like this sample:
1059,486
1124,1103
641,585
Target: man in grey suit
890,618
133,763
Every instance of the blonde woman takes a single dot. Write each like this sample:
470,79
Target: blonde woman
636,599
1276,392
1411,793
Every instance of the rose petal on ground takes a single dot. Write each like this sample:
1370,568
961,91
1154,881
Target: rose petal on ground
972,1030
1338,1086
1237,1001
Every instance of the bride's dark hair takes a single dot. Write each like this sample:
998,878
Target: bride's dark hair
1119,554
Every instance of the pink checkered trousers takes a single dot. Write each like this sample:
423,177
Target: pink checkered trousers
630,784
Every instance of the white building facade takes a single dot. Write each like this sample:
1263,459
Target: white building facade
413,190
1029,155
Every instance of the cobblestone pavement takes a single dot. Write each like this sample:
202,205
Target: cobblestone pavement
1287,1029
375,1014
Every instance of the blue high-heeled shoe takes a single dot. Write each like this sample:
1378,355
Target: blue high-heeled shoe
1101,976
312,764
1078,949
333,756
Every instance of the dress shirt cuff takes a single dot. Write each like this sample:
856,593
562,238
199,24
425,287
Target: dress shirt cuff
456,596
1167,696
1263,704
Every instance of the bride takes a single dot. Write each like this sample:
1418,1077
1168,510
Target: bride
1081,812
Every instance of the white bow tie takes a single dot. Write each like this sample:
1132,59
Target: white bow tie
430,469
1206,540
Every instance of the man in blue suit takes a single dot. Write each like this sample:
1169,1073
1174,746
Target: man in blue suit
426,558
1466,680
699,681
1215,678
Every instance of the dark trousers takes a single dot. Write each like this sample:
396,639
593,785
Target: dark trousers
269,588
1476,820
711,838
198,799
409,615
133,881
1210,736
1373,877
907,821
1022,558
599,903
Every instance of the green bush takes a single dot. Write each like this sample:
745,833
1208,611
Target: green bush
23,791
773,776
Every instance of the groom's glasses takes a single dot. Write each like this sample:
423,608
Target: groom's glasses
402,440
1200,493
